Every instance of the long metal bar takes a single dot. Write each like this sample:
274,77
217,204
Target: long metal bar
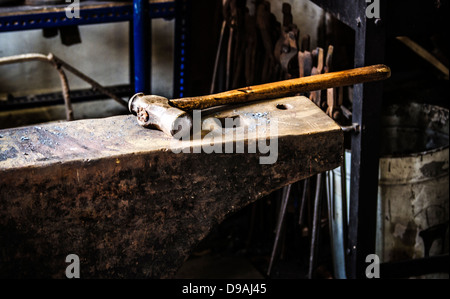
315,234
85,78
50,59
216,62
284,202
425,54
59,64
344,204
56,98
301,217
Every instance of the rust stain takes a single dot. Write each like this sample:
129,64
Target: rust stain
8,154
434,169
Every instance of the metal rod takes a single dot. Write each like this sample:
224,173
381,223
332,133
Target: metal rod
333,223
346,112
422,52
65,93
354,128
284,201
58,64
329,190
316,226
92,82
303,204
62,76
216,63
344,201
229,57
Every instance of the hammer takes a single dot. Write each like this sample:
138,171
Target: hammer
172,116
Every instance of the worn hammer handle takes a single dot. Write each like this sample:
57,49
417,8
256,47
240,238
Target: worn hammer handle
286,87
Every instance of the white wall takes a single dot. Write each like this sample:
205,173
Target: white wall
306,15
103,55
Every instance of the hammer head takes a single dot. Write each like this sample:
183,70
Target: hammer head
156,112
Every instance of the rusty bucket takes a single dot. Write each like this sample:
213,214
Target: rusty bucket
413,188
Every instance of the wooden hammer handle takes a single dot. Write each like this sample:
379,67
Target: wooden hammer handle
286,87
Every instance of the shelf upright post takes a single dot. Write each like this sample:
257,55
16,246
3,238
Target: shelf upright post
370,35
182,48
141,46
367,107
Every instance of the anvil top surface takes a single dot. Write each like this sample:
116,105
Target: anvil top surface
91,139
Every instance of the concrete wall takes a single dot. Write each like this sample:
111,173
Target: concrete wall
306,15
103,55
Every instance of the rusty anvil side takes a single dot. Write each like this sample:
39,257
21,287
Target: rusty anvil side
116,195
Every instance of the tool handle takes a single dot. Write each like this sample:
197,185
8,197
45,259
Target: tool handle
286,87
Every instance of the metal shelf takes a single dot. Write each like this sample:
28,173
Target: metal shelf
55,98
23,17
137,13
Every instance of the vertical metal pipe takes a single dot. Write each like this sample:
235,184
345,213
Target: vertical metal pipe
142,46
57,64
315,226
284,202
216,63
301,216
344,199
66,94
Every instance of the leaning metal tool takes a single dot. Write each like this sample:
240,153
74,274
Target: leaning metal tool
284,202
172,116
317,55
316,226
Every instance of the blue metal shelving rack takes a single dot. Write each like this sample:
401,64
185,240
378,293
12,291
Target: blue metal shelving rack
137,12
